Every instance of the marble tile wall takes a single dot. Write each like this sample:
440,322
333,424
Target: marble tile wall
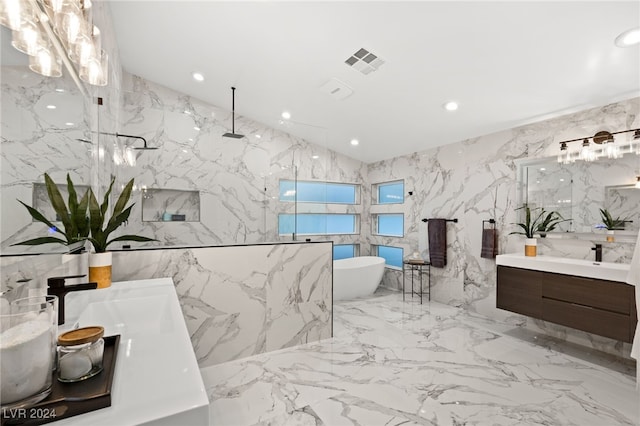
237,178
243,300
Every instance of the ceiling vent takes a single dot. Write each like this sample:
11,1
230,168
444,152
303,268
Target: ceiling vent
336,89
364,61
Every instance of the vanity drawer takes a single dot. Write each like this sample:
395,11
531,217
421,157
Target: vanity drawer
520,291
592,320
609,295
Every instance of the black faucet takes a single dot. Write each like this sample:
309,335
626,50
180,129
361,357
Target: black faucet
598,249
56,287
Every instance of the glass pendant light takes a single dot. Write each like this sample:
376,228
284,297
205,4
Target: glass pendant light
46,63
28,39
96,71
586,154
15,13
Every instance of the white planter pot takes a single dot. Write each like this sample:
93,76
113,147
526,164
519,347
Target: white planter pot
531,247
610,236
100,269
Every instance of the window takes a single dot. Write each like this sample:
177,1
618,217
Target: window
319,192
343,251
389,224
392,255
389,192
318,224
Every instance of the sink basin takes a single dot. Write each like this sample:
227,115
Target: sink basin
148,314
561,265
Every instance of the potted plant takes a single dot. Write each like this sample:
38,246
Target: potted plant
536,222
100,260
75,222
611,224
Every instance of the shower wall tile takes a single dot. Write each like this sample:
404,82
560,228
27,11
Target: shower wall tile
243,300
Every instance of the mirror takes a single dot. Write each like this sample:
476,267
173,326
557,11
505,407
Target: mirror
579,190
44,129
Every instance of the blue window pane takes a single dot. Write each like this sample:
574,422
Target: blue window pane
392,255
343,251
317,192
317,224
389,193
391,224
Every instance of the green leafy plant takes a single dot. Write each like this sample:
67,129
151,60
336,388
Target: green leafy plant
97,213
74,217
609,222
542,221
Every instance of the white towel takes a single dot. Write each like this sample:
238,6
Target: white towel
634,279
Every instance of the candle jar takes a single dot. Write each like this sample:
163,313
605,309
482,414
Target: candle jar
80,354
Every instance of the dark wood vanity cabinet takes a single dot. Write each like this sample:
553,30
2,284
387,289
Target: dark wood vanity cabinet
606,308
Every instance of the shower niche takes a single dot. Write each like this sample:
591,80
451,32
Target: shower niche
170,205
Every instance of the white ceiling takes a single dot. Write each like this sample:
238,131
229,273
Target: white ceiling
506,63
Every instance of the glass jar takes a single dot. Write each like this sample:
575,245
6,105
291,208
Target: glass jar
80,354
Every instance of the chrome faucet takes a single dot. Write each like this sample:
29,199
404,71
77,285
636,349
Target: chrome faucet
598,250
56,287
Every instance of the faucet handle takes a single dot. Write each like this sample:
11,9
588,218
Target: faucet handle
57,282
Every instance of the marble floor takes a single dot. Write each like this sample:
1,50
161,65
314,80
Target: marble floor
401,363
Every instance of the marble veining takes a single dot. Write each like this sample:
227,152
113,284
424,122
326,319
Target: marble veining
239,301
395,363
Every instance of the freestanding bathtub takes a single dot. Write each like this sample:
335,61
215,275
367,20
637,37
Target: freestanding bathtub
356,276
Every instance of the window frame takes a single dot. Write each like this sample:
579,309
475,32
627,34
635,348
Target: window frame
375,225
375,192
357,221
357,192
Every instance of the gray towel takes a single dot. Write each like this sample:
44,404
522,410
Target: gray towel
437,230
489,243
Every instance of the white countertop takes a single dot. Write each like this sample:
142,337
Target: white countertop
561,265
156,378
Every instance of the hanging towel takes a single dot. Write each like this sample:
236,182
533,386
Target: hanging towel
437,230
634,279
489,243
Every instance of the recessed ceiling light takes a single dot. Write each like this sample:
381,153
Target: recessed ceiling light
196,128
197,76
51,107
451,106
286,115
354,142
542,169
315,157
68,123
185,151
628,38
190,139
187,112
258,136
60,90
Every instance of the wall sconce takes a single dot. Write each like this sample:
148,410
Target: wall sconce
56,31
603,144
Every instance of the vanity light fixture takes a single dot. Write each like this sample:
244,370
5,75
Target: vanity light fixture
52,32
628,38
605,146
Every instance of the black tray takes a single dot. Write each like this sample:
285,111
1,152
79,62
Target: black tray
71,399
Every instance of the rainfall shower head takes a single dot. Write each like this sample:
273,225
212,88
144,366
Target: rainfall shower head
233,133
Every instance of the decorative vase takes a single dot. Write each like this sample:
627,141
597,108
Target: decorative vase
530,247
610,236
100,269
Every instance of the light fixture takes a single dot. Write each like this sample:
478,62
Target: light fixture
197,76
355,142
68,123
315,157
51,107
258,136
605,146
628,38
56,31
196,128
286,115
451,106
